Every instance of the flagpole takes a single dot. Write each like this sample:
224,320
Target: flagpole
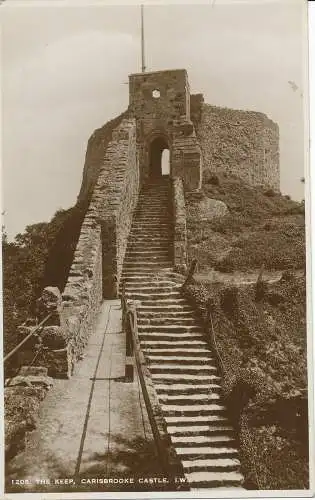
142,42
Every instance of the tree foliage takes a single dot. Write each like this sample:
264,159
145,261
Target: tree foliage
38,257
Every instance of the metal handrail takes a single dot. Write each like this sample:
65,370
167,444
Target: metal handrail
17,348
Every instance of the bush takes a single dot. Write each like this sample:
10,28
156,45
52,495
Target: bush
270,193
229,301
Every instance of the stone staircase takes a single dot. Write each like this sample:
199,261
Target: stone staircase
179,359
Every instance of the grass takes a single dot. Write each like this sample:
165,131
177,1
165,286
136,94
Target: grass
262,343
262,227
260,329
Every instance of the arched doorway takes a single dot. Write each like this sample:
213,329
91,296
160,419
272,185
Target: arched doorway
159,158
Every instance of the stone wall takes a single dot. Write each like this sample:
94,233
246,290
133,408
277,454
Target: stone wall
179,217
83,292
117,189
94,156
242,143
186,158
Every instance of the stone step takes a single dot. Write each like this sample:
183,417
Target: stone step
179,353
134,246
164,302
164,320
193,410
213,420
153,295
203,440
182,368
137,235
177,345
170,328
156,217
158,205
211,464
189,389
182,359
199,430
200,451
151,270
147,253
158,286
149,259
205,479
148,227
136,241
165,308
144,281
169,336
147,265
187,313
190,399
145,276
139,240
145,224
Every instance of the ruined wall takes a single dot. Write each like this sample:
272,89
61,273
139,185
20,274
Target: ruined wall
95,153
242,143
271,153
117,189
180,231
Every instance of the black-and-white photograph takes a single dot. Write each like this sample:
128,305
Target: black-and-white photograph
155,267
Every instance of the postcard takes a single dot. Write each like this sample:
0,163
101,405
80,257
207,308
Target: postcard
156,250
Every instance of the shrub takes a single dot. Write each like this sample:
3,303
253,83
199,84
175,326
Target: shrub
229,301
270,193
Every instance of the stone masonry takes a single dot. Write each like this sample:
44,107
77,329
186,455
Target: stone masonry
160,103
241,143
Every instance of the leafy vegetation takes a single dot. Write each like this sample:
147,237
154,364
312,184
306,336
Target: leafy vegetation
260,335
40,256
262,227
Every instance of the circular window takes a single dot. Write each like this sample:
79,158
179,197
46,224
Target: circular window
156,93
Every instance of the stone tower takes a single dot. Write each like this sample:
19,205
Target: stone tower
160,103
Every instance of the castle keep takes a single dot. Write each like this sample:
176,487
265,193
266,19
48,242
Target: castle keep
199,136
132,245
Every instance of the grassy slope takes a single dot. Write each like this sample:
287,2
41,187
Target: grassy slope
261,339
261,227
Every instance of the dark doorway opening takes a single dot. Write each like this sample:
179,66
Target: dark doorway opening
159,158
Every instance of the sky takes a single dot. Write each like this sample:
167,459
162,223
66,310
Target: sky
65,69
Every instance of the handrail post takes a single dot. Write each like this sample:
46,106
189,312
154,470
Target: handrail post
190,273
129,366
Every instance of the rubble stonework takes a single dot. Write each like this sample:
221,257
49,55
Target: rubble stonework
242,143
94,155
180,232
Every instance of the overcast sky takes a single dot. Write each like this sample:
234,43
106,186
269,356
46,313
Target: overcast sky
65,68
